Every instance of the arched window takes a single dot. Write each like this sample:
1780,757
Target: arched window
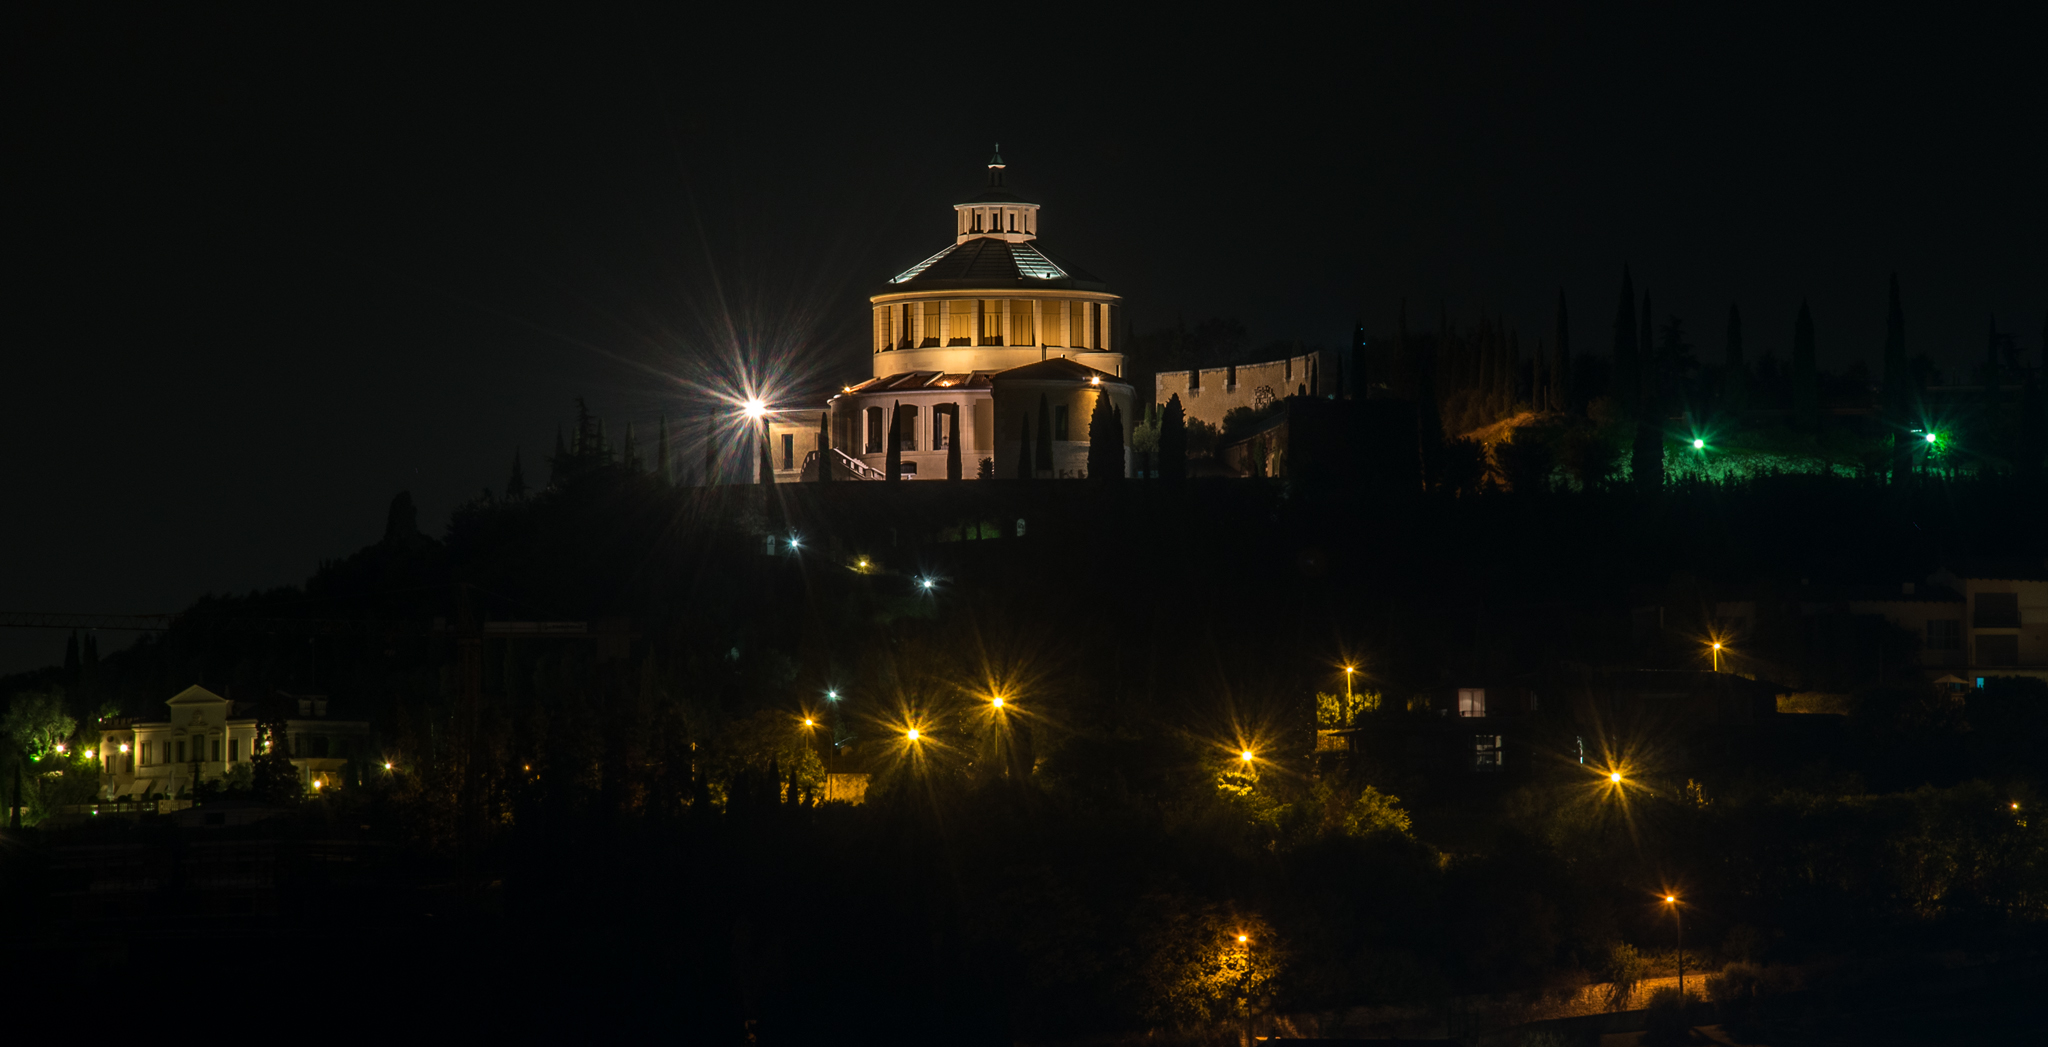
910,427
874,443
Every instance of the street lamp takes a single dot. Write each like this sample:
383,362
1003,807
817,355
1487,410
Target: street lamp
1246,756
1672,901
1698,444
911,734
997,702
1717,656
831,694
1348,671
754,408
1614,776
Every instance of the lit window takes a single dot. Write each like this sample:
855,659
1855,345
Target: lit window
991,322
1486,752
1945,634
940,421
1021,327
874,441
1471,701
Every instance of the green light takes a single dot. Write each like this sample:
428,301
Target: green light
1699,445
1930,437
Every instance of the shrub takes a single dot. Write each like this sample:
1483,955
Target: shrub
1664,1018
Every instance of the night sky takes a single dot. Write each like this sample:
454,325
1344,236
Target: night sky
273,269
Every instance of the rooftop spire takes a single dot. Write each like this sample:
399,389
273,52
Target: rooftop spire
995,168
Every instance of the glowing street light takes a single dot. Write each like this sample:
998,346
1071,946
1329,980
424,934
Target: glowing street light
1243,938
88,754
1246,756
997,702
925,584
1931,437
831,694
1676,914
1348,671
754,408
1717,655
124,747
387,765
911,734
1614,776
1698,444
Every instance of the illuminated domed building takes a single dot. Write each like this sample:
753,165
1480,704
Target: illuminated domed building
986,337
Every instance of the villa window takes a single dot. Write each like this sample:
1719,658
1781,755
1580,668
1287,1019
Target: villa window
1094,325
1055,323
909,427
1471,701
214,751
1998,649
1059,422
1997,611
939,420
874,440
788,451
1486,752
148,753
933,319
181,750
1945,634
1021,327
234,750
1013,221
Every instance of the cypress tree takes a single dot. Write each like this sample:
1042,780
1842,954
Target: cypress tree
1429,419
1045,460
953,443
1647,462
1897,394
1173,441
1649,363
1805,375
1628,375
661,462
1513,384
1104,440
515,488
1561,361
767,453
895,460
555,463
1024,469
1488,358
1735,373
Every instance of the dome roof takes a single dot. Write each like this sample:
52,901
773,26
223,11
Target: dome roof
995,264
995,248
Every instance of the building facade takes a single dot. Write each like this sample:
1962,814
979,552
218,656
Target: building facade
993,301
203,739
